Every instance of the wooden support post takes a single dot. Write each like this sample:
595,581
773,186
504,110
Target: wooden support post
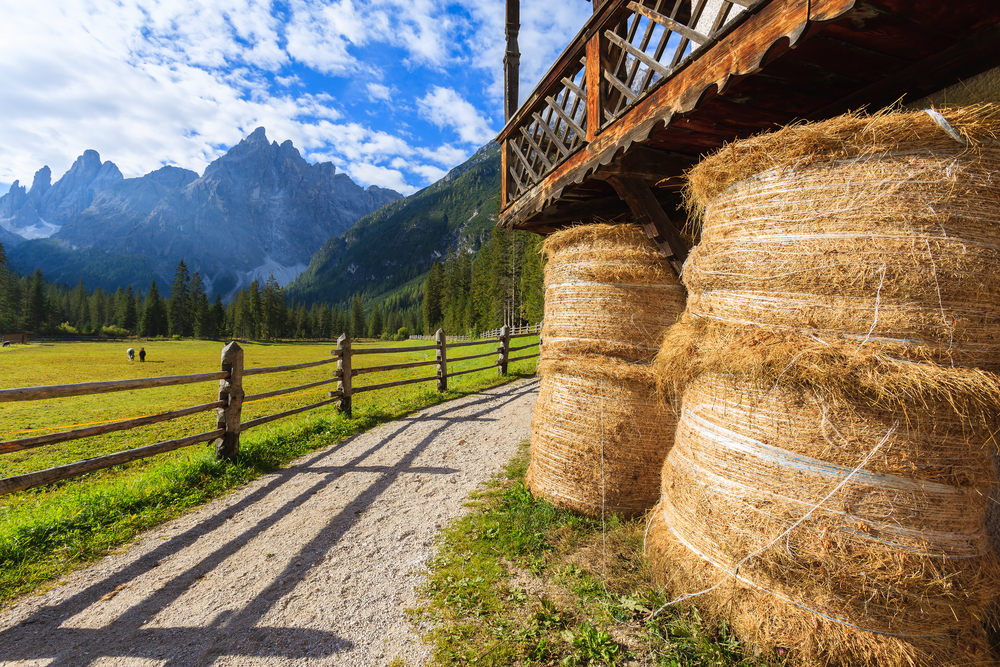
227,447
652,217
595,86
442,360
344,374
504,348
511,59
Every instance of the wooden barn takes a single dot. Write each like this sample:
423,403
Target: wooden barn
648,86
15,338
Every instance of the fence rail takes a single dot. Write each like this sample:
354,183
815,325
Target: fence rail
231,397
529,329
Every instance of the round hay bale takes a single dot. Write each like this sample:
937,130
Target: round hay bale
882,230
861,532
599,436
607,291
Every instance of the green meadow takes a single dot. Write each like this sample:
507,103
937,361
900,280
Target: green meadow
46,531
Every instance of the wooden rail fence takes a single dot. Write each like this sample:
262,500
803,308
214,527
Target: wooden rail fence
229,405
492,333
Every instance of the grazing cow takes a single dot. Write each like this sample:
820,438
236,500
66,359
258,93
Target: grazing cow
142,354
131,354
6,343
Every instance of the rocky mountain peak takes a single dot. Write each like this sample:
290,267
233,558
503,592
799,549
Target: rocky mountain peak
41,183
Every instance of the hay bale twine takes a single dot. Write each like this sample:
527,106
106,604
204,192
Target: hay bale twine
599,436
607,291
881,229
859,531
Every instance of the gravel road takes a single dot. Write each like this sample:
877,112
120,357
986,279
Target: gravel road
312,565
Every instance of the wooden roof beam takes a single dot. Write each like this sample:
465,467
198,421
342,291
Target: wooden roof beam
653,219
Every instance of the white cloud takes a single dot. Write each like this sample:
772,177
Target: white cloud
430,174
445,154
367,173
377,91
446,108
148,82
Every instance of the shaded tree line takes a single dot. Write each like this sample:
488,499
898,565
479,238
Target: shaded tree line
466,293
500,285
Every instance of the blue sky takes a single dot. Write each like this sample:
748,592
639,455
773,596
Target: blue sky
393,92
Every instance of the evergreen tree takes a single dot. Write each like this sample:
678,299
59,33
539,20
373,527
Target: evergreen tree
199,306
179,306
375,322
35,311
216,319
357,317
127,318
153,321
273,305
433,290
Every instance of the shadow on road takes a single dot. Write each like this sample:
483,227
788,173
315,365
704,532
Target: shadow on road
40,639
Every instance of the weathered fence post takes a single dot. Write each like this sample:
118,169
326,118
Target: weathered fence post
344,373
231,391
504,348
442,359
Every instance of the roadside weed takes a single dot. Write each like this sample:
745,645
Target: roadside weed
519,582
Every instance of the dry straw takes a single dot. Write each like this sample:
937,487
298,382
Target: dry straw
607,291
841,489
878,229
599,436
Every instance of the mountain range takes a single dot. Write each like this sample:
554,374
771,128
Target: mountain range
259,210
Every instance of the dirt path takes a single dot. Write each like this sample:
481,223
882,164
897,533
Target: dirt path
312,565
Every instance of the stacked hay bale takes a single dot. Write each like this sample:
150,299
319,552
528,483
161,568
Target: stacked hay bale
598,437
832,462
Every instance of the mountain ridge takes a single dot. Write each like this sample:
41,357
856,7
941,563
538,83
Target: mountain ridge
260,208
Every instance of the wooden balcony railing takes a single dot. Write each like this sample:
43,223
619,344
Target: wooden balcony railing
626,50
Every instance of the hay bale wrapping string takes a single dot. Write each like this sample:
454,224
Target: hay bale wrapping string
599,436
879,229
842,489
607,291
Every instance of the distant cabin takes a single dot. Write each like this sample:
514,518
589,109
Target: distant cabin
13,338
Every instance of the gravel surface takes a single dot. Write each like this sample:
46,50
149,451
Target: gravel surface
312,565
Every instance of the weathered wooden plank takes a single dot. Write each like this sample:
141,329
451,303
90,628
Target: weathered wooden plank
579,92
668,23
124,425
290,367
621,87
472,343
227,447
334,397
523,347
524,161
560,146
397,383
289,390
392,350
392,367
538,149
595,89
526,356
49,475
641,55
522,335
88,388
472,356
475,370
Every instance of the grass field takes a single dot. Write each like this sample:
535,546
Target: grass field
45,531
